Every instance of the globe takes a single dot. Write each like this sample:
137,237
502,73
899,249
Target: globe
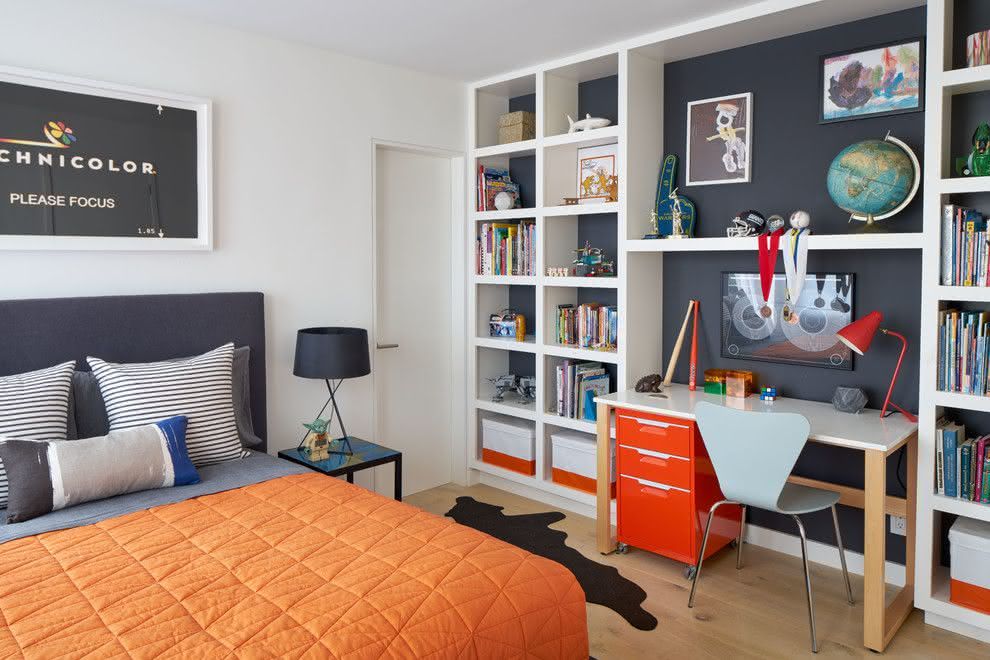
873,179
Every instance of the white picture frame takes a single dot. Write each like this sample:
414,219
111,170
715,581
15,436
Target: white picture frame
604,157
711,152
203,108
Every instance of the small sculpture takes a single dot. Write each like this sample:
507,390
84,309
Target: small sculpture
800,219
650,383
524,387
558,271
849,399
592,262
317,444
587,124
978,161
667,201
504,201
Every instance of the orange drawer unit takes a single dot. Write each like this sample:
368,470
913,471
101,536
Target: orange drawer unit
666,486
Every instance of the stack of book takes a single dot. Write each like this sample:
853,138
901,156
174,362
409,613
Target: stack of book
962,467
962,351
965,249
506,249
578,383
492,181
589,326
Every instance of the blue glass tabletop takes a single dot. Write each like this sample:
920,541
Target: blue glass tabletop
366,454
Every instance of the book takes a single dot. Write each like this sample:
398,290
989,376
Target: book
949,460
573,381
965,466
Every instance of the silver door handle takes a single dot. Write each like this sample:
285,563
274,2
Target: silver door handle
381,346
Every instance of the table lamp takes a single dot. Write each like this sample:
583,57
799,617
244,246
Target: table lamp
858,336
332,354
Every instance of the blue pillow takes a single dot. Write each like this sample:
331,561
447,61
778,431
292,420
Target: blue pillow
47,476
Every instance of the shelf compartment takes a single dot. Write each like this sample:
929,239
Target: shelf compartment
585,87
581,425
548,399
495,99
495,362
492,299
902,241
560,172
566,234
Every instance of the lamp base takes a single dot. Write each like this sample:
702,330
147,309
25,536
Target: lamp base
909,416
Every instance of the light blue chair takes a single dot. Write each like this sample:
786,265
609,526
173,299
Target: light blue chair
753,453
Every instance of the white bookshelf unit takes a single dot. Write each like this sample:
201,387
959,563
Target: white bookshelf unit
639,64
944,85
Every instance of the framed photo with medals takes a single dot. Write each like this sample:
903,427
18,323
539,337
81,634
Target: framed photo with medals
802,332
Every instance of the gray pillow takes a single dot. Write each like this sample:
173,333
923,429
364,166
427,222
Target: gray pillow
91,412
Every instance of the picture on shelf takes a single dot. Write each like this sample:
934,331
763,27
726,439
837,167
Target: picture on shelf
808,334
597,174
882,80
719,139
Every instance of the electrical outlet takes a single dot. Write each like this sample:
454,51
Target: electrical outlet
898,525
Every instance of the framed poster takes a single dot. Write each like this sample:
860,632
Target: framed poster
807,337
93,166
888,79
597,171
719,140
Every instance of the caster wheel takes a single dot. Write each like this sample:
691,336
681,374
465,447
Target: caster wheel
689,572
733,544
621,549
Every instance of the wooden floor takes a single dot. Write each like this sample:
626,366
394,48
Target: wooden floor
757,612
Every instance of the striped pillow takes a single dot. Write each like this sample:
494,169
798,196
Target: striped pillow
34,406
198,388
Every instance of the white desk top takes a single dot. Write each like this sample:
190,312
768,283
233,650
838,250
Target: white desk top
864,430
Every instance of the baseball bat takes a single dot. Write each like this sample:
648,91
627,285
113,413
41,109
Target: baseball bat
676,353
693,371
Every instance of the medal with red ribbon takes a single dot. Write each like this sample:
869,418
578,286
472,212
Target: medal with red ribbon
769,246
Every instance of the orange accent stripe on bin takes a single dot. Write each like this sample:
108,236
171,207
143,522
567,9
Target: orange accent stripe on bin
513,463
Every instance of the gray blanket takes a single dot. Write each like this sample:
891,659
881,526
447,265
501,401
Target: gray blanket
254,469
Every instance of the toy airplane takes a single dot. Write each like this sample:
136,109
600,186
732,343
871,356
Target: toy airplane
587,124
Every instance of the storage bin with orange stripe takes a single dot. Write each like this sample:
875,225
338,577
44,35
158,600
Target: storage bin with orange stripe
509,444
575,461
969,548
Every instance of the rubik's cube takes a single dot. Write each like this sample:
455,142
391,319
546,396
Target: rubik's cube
768,394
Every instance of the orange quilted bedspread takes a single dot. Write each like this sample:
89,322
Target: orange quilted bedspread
300,566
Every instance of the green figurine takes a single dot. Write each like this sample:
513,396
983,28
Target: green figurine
316,444
978,162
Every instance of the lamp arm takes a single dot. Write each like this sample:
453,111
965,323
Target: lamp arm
893,381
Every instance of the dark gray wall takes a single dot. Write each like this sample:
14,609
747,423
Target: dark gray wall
791,153
968,16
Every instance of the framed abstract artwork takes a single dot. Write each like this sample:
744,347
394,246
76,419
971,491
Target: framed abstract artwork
89,165
719,140
888,79
805,336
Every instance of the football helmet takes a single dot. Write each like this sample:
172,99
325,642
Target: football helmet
747,223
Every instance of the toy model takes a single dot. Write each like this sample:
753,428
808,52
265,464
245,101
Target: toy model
768,394
317,444
586,124
978,161
526,388
503,384
590,262
747,223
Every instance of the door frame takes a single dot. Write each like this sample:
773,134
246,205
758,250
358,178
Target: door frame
458,293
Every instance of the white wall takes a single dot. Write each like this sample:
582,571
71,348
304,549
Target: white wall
293,175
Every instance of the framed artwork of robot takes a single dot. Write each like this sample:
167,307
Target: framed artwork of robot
804,335
719,139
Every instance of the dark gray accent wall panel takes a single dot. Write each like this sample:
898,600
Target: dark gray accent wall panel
791,152
599,98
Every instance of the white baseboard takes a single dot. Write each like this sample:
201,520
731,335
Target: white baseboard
820,553
959,627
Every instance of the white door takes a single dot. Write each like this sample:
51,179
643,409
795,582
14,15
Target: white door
413,370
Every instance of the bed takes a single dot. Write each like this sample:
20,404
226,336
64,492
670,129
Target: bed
262,558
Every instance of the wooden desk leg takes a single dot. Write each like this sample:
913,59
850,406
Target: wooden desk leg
874,550
603,527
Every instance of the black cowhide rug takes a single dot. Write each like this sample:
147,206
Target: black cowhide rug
602,584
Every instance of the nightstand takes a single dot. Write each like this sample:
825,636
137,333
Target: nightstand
366,455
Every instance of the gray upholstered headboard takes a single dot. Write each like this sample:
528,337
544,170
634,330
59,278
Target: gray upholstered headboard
41,332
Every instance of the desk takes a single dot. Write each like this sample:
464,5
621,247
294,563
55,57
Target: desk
876,438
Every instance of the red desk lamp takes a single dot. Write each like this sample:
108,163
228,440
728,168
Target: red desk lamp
858,335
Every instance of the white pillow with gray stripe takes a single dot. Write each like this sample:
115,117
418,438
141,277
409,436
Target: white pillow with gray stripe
34,406
198,388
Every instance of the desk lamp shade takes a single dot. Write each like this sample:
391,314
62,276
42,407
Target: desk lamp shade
858,335
332,353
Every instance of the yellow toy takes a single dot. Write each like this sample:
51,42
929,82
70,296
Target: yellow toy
317,444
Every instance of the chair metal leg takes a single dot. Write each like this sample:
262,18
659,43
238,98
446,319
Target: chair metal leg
807,584
701,553
742,535
842,556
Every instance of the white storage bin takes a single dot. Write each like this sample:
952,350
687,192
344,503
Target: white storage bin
509,444
575,461
969,547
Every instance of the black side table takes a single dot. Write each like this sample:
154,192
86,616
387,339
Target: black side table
366,455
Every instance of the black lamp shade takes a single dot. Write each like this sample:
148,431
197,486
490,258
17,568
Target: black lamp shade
332,353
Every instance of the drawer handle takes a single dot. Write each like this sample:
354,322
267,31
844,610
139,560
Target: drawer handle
653,422
656,492
659,462
648,483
